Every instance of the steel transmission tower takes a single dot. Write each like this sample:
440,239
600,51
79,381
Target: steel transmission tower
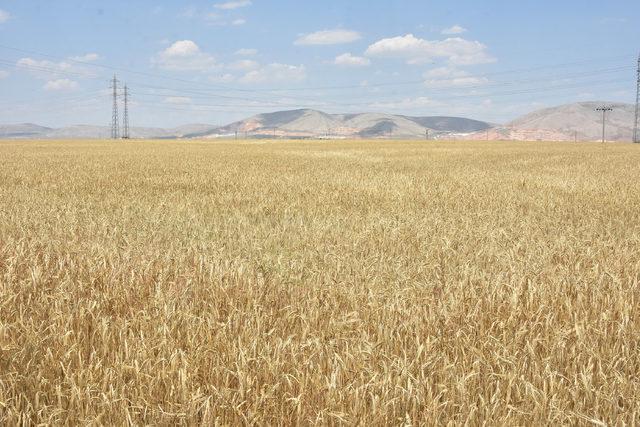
604,110
114,113
125,117
636,129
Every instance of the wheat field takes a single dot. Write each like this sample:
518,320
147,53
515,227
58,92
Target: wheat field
319,282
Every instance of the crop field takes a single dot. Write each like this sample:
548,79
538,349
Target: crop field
319,282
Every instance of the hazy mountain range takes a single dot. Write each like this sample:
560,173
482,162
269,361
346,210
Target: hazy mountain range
564,122
29,130
568,122
312,123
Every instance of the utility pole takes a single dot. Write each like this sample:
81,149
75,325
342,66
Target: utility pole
114,113
426,134
125,118
575,136
604,110
636,128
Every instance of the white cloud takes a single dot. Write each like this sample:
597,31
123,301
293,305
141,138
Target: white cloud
239,21
89,57
328,37
184,55
182,48
275,73
243,65
177,100
349,60
4,16
235,4
415,50
444,77
3,74
246,52
456,29
61,85
49,70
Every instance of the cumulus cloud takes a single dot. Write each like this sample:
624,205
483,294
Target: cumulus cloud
456,29
246,52
4,16
275,72
444,77
328,37
230,5
60,85
239,21
350,60
184,55
414,50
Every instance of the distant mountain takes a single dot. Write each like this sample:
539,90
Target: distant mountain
581,117
102,132
313,123
22,130
451,124
28,130
561,123
186,131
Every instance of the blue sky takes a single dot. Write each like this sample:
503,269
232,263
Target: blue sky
217,61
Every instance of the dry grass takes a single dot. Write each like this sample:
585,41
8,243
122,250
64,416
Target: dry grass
319,283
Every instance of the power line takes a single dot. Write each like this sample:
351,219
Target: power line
205,95
636,130
604,110
125,117
530,90
209,107
44,69
268,90
285,103
445,90
278,103
114,111
421,81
